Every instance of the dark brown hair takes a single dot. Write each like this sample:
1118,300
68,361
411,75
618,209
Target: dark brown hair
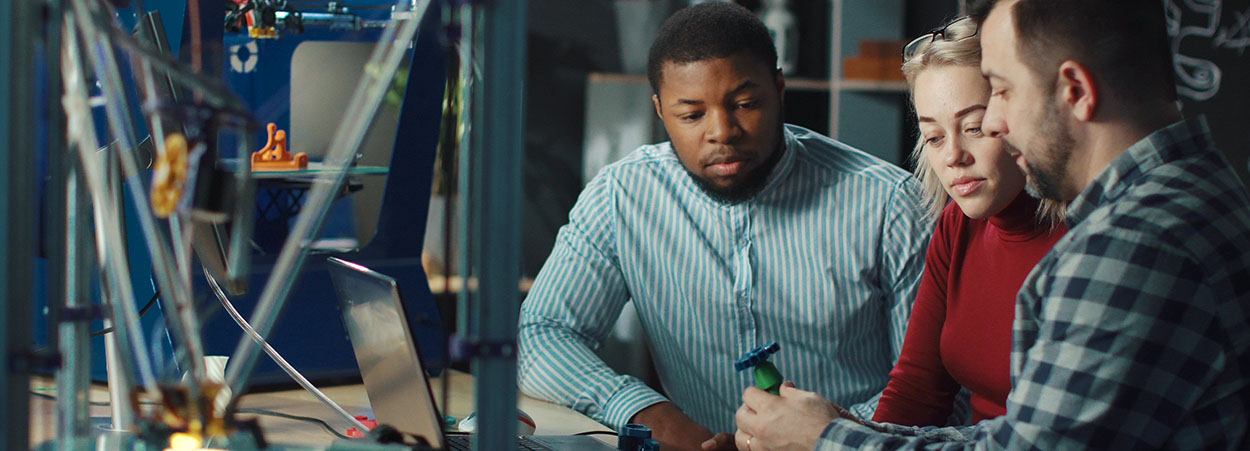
1123,42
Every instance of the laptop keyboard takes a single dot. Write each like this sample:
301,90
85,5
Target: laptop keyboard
462,443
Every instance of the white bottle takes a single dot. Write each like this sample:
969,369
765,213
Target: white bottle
782,26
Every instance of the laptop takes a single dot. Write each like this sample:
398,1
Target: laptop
390,365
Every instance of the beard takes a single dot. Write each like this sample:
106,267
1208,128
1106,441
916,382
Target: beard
1054,152
741,191
754,182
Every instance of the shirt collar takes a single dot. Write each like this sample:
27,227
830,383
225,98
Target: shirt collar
1171,143
790,146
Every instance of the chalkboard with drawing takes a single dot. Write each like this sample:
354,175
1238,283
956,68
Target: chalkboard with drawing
1210,42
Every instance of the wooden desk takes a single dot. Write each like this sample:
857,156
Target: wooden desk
551,419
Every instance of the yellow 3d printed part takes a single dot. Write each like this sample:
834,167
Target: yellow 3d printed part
170,175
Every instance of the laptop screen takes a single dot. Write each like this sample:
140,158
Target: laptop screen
394,377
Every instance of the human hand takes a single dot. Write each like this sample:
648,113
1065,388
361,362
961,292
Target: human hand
676,431
791,421
721,442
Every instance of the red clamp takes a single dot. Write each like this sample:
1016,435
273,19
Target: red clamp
357,433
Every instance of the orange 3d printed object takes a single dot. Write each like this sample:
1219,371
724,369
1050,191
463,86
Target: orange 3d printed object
274,157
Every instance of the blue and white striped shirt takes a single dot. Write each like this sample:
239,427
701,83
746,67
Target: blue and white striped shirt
825,260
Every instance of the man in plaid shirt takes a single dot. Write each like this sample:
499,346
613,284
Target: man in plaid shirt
1134,332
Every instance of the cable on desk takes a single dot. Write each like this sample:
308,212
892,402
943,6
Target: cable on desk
53,398
288,416
318,421
277,358
94,403
146,307
597,433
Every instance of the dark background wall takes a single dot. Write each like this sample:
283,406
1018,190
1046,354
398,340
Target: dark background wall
1209,41
569,39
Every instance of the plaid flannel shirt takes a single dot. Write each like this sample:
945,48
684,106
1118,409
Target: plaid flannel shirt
1134,332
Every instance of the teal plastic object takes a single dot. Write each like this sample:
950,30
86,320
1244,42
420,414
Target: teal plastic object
767,377
633,436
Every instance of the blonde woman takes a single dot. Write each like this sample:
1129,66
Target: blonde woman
985,244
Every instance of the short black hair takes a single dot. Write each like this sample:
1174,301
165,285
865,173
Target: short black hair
1124,42
709,31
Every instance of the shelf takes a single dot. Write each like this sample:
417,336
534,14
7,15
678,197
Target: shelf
792,83
314,168
454,284
615,78
806,84
899,87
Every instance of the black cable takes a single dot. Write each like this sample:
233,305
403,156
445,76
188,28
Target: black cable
146,307
53,398
318,421
94,403
288,416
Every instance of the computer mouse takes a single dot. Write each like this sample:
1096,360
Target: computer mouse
525,424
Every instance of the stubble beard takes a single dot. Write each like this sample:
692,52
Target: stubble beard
742,191
754,182
1046,175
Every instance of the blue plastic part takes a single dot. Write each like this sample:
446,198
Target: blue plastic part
649,445
632,436
756,356
636,430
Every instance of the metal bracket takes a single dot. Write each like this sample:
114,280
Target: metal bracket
91,312
464,349
27,360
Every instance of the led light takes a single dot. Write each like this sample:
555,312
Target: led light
183,441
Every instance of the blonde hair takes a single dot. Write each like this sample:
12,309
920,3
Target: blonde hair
961,47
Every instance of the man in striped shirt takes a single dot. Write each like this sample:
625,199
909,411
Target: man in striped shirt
739,231
1134,332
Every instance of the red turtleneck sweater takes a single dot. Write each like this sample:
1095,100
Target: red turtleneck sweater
960,328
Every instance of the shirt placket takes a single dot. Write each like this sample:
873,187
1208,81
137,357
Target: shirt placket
743,274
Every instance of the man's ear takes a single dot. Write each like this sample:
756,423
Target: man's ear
655,99
1076,89
781,83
